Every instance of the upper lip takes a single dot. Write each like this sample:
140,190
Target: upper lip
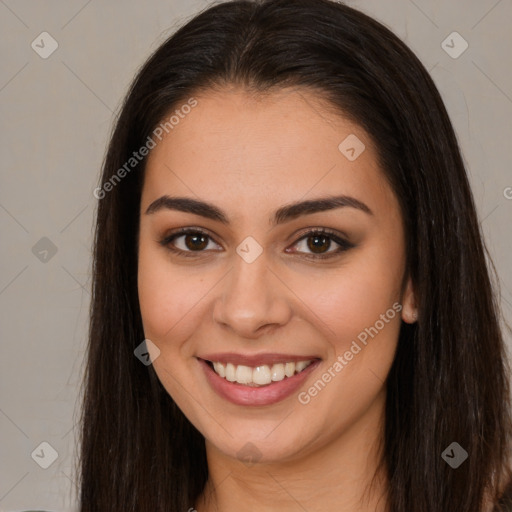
255,359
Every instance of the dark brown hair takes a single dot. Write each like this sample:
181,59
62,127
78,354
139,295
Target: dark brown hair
449,381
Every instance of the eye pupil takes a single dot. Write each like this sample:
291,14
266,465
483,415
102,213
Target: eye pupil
195,237
316,245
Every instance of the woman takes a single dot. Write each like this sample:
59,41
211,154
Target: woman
291,304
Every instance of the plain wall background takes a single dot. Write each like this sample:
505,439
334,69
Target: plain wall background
56,115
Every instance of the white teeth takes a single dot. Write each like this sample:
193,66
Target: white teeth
277,372
300,366
230,372
219,368
261,375
289,369
243,374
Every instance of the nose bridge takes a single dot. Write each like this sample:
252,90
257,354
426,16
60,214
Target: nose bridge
252,297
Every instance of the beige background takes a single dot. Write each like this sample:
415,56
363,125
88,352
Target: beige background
55,117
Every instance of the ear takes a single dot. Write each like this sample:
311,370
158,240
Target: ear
409,303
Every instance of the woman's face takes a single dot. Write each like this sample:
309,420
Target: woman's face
300,326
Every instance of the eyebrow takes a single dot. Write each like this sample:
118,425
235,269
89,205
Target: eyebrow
282,215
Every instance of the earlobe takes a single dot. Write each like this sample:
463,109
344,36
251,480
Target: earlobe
409,304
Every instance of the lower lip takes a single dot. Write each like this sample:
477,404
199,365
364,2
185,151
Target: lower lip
264,395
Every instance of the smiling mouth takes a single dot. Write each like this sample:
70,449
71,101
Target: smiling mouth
260,375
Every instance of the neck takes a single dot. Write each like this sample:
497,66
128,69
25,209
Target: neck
337,476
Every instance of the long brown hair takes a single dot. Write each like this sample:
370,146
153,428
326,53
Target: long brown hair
449,381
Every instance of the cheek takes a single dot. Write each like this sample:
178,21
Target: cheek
168,297
361,306
354,298
360,312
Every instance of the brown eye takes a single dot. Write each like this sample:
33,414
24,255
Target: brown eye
186,242
196,241
317,244
190,242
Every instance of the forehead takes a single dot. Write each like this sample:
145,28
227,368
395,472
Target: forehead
260,150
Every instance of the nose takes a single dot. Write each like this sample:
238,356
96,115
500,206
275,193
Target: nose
253,299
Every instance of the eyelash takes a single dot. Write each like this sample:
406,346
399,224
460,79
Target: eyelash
344,244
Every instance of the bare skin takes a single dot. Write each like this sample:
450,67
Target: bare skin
314,451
